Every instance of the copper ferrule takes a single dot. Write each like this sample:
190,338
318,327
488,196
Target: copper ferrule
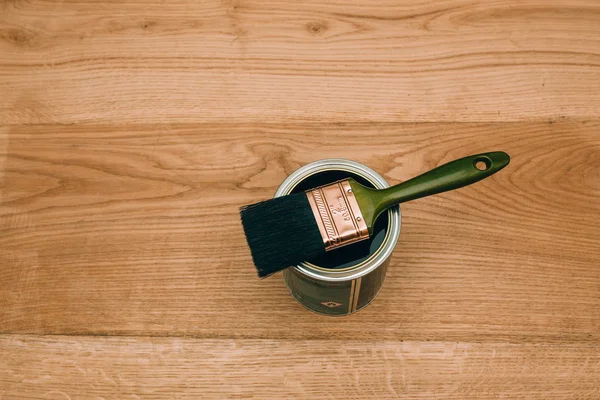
338,216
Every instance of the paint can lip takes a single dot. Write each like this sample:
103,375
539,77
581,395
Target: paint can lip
393,232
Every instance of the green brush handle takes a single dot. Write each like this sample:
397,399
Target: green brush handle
452,175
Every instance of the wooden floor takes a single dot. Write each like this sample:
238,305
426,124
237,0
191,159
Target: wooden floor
131,132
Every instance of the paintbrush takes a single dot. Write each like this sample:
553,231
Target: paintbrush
287,230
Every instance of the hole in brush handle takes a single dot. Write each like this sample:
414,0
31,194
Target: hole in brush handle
482,163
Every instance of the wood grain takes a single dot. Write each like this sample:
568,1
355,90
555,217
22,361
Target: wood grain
134,230
215,61
175,368
131,132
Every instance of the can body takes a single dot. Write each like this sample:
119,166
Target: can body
341,283
335,297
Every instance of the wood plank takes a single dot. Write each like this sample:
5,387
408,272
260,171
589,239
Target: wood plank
176,368
134,230
279,61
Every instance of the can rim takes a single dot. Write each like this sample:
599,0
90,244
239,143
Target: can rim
394,218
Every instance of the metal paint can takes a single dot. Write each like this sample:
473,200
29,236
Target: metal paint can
347,279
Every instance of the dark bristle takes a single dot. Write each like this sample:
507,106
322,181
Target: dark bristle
281,232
